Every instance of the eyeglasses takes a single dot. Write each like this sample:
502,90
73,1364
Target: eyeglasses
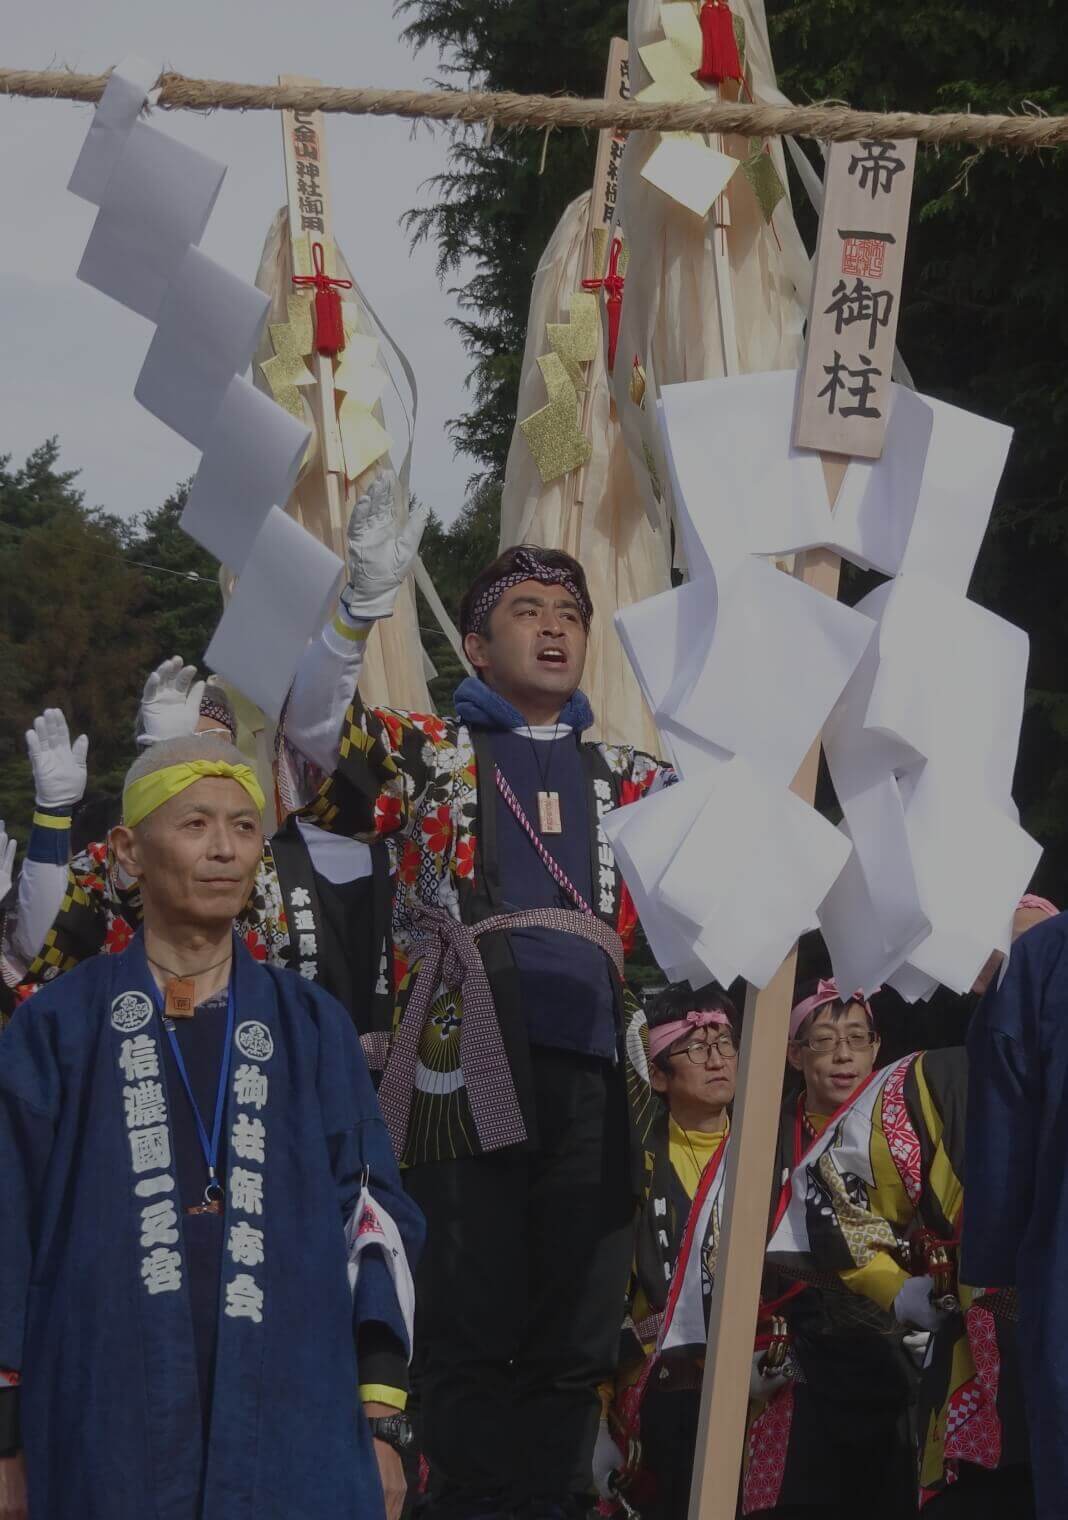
825,1040
698,1050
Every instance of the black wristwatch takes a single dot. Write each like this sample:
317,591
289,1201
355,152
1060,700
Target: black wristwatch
394,1429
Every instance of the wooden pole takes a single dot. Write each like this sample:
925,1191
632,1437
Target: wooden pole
301,238
601,223
750,1157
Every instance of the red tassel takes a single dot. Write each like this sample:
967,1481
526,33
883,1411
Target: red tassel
329,327
329,322
612,285
719,53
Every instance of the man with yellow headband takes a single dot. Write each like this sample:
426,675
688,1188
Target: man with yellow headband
205,1234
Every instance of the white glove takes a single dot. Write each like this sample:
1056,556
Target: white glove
59,771
7,862
170,703
761,1384
913,1306
916,1343
608,1461
381,551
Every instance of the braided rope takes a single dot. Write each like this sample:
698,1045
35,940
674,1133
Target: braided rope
506,109
551,864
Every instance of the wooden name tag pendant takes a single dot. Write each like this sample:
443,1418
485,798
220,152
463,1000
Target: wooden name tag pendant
213,1206
549,813
180,997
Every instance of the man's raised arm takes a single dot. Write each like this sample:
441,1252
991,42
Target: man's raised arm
381,552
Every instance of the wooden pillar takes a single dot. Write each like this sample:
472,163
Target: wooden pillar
749,1180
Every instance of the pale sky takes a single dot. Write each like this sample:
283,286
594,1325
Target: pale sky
73,356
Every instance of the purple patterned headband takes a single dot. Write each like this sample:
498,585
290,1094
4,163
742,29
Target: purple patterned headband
213,705
528,567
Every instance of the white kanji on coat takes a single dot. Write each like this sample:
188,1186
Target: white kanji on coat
300,897
162,1271
247,1138
145,1104
250,1086
309,970
159,1224
309,945
244,1299
246,1244
150,1149
304,922
138,1058
246,1191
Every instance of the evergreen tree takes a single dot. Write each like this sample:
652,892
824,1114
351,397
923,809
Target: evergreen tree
497,204
454,556
82,622
983,316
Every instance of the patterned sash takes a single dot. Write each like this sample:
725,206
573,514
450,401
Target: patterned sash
449,958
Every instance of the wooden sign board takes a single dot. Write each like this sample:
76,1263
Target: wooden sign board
311,222
844,396
610,145
307,183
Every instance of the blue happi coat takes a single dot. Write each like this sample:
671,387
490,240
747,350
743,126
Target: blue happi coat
1016,1181
94,1304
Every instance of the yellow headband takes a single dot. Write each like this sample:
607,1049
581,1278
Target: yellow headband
150,792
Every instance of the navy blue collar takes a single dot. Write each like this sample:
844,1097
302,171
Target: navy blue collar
479,704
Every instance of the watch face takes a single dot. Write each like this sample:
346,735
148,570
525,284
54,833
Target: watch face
402,1430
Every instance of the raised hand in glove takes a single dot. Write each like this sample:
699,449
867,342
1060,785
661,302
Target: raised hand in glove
7,862
170,703
59,771
381,550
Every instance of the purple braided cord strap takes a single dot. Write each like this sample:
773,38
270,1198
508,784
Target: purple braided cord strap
375,1046
553,866
648,1329
448,957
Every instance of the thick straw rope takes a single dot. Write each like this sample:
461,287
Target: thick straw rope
831,123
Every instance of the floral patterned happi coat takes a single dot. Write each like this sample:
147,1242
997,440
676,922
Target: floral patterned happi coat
887,1171
421,780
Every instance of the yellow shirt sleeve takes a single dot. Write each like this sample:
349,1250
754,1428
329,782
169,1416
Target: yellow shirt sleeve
379,1393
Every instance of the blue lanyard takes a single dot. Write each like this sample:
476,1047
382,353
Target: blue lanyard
210,1147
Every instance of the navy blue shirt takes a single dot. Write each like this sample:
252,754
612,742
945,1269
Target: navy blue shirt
565,984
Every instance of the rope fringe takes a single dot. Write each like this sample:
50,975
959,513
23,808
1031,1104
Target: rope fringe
827,123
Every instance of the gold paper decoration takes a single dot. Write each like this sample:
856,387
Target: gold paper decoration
363,437
650,465
683,166
763,177
577,340
683,30
637,384
601,242
555,438
556,441
360,380
291,341
672,75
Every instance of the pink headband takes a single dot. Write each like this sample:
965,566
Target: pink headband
666,1034
1038,904
826,993
528,567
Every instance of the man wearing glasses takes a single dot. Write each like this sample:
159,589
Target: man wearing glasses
837,1425
693,1066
